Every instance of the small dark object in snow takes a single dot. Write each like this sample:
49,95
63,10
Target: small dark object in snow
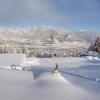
56,70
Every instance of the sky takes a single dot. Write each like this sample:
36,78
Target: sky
74,15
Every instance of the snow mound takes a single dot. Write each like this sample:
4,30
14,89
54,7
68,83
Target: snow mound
59,77
11,59
53,77
16,67
51,86
31,62
92,58
98,56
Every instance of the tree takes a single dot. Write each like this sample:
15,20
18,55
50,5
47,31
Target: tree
51,38
96,45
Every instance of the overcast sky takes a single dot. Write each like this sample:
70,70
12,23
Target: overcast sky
70,14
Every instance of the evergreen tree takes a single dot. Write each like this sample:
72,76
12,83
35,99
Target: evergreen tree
96,45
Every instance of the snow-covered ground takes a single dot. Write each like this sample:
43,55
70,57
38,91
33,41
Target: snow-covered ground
79,79
7,60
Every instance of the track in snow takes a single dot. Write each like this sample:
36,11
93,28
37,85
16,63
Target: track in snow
80,76
37,71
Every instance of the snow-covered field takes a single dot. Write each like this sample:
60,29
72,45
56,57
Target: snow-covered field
79,79
7,60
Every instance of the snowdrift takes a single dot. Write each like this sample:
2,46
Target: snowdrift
52,76
42,84
6,60
16,85
67,61
29,62
98,56
51,86
93,58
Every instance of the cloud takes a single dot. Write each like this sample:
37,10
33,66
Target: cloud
19,10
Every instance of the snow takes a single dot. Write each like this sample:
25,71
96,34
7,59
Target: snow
98,56
16,85
67,61
54,76
78,79
7,60
18,68
93,58
31,62
50,86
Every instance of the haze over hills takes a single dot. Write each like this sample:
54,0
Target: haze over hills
87,35
45,33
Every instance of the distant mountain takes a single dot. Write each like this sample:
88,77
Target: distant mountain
40,33
86,35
